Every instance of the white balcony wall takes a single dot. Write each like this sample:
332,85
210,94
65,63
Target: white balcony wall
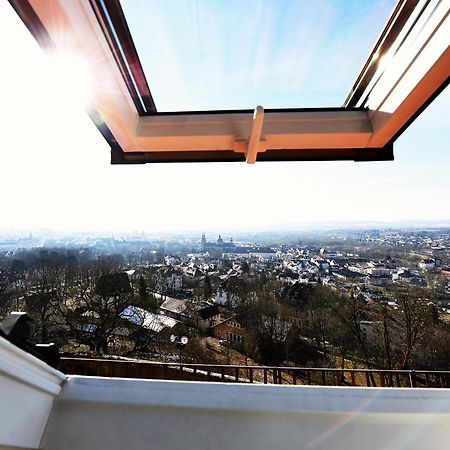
27,389
101,413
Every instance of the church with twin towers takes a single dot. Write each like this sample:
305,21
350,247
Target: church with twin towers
219,245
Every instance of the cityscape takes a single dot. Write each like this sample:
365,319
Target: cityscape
343,298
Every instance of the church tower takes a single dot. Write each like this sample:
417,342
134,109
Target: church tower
203,241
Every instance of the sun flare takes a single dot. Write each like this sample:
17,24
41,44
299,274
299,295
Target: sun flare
69,77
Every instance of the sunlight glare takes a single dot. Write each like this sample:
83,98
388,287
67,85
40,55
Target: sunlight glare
69,78
384,61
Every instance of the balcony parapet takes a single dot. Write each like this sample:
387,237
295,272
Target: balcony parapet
113,413
28,387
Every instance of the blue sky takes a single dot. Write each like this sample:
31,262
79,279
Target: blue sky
55,169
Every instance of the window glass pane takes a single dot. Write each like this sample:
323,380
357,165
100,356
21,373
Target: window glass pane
232,54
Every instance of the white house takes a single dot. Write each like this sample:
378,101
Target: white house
427,264
221,297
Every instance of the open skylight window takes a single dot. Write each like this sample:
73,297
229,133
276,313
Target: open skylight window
180,81
221,55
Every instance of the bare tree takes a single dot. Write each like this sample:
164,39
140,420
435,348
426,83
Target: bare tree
47,287
416,318
93,311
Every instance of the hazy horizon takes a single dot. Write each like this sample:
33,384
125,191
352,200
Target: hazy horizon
300,227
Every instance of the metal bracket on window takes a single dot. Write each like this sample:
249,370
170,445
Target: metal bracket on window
255,144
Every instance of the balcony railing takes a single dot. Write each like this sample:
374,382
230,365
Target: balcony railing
256,374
